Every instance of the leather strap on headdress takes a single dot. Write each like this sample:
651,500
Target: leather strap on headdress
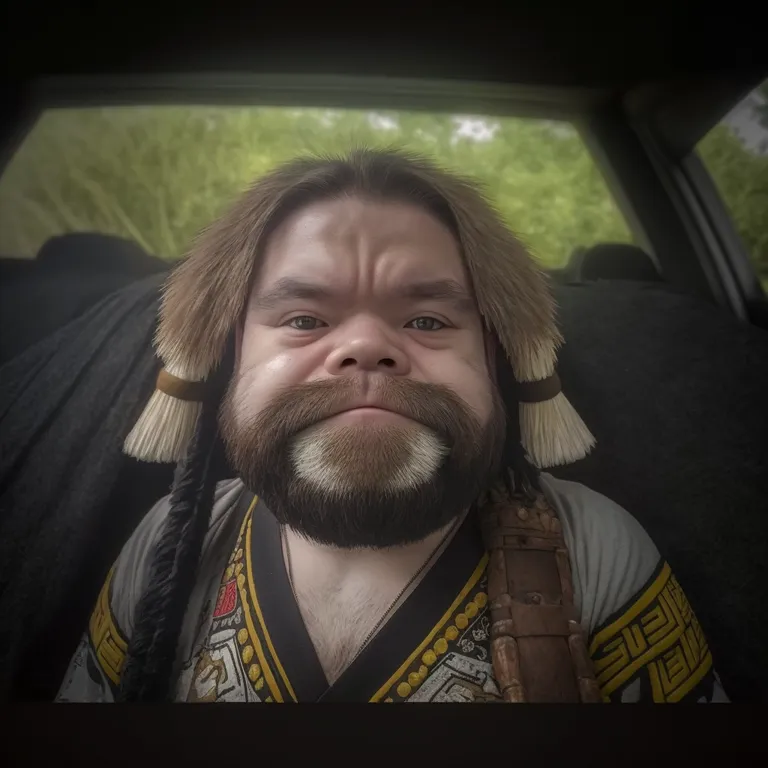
189,391
538,391
537,645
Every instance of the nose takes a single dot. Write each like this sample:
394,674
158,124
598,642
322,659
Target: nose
367,346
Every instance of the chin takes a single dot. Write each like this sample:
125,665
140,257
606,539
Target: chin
365,479
339,460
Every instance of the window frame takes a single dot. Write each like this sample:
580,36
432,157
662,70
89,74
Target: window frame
730,254
567,104
636,140
670,121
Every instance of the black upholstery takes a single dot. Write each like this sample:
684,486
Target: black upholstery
69,498
675,391
673,388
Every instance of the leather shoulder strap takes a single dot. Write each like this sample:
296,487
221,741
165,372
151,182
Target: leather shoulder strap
537,644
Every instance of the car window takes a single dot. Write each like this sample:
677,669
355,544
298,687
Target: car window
157,175
735,153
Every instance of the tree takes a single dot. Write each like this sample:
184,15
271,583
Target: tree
160,174
741,176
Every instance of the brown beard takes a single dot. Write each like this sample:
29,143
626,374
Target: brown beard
368,511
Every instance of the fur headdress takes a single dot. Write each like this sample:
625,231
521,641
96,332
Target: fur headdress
207,294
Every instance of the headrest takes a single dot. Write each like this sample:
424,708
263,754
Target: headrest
95,251
612,261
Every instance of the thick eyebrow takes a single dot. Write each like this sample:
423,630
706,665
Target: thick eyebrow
448,291
288,289
291,288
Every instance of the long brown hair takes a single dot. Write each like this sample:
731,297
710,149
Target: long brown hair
511,291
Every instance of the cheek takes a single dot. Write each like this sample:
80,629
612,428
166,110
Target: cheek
258,379
478,393
466,375
265,366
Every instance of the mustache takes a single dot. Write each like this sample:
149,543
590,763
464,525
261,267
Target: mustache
299,407
367,512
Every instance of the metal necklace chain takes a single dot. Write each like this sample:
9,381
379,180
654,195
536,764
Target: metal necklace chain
386,613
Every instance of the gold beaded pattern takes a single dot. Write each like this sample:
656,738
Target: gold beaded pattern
464,626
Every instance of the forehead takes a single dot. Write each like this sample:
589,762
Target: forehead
329,238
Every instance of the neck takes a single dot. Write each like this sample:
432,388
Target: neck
320,565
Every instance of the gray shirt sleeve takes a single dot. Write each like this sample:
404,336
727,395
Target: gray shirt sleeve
643,635
612,556
94,672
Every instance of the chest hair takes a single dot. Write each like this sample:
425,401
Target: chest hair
339,621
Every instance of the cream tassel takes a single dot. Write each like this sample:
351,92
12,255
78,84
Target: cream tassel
163,430
166,424
552,433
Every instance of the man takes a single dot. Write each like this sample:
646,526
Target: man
351,329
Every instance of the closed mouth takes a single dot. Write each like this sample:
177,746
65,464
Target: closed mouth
366,408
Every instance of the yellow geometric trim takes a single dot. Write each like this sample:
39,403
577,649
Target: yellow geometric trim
686,687
473,579
659,632
259,615
643,602
271,682
109,645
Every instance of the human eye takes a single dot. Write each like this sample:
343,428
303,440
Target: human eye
305,323
426,324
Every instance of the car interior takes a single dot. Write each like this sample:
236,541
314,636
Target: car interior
666,338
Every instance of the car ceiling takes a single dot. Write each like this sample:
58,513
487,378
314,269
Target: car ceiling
590,46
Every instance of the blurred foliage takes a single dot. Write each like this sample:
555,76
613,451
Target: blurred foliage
160,174
741,177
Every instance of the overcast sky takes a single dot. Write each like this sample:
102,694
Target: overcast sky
742,120
747,126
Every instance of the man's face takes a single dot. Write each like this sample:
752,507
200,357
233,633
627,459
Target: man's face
362,406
